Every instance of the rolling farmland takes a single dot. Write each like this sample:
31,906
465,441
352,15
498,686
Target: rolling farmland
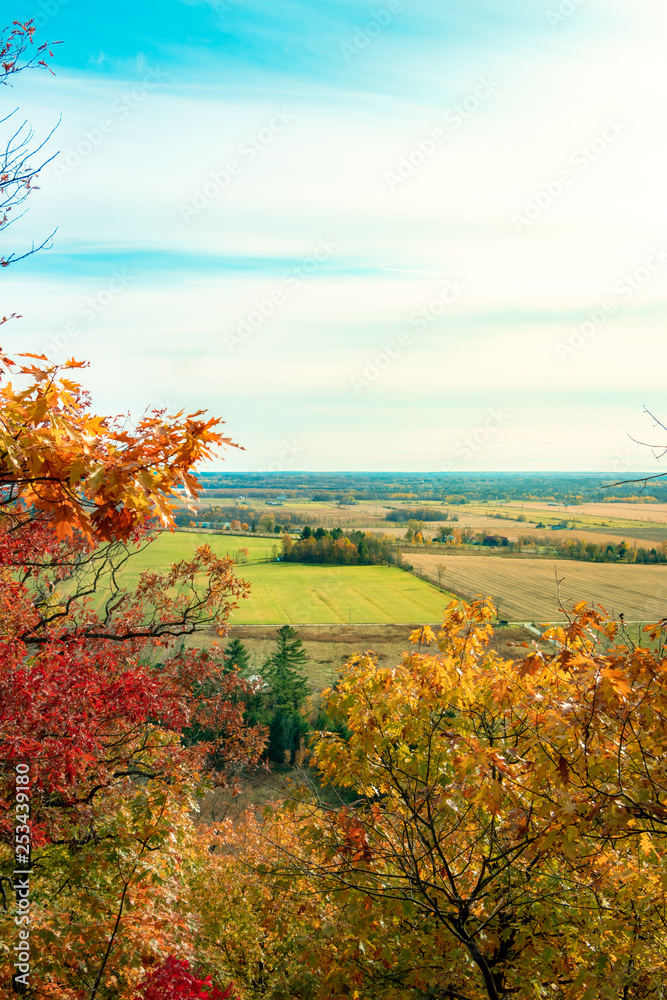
634,534
289,593
642,512
527,587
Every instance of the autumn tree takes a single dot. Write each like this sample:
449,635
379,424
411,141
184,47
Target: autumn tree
413,532
87,472
94,697
266,522
508,834
174,979
249,930
94,693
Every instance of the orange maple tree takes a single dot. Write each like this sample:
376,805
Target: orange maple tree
87,472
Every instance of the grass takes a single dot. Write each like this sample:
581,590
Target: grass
328,647
168,548
289,593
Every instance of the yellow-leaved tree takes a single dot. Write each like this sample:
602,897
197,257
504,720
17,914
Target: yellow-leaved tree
505,830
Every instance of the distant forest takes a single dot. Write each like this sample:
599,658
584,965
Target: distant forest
450,488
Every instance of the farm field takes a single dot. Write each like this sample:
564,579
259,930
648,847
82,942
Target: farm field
171,547
635,522
639,524
608,511
292,593
526,588
325,513
635,533
289,593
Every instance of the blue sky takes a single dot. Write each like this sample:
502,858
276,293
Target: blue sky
407,234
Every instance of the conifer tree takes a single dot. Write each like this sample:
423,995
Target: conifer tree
237,657
284,672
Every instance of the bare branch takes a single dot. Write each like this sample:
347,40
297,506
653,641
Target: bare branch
18,171
653,447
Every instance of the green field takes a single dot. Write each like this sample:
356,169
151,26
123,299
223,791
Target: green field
286,593
289,593
171,547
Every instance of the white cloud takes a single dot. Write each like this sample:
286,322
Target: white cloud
324,174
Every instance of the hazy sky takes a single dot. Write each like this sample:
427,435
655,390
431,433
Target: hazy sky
399,234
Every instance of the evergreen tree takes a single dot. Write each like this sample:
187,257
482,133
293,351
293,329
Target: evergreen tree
286,730
237,657
284,672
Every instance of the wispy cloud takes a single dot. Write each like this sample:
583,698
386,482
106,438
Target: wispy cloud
153,116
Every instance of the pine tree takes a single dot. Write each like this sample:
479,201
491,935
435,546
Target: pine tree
237,657
284,672
286,732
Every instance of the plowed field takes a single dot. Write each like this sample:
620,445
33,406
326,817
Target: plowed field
526,589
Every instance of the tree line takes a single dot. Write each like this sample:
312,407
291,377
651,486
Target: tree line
583,551
216,516
565,548
352,548
401,514
277,698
